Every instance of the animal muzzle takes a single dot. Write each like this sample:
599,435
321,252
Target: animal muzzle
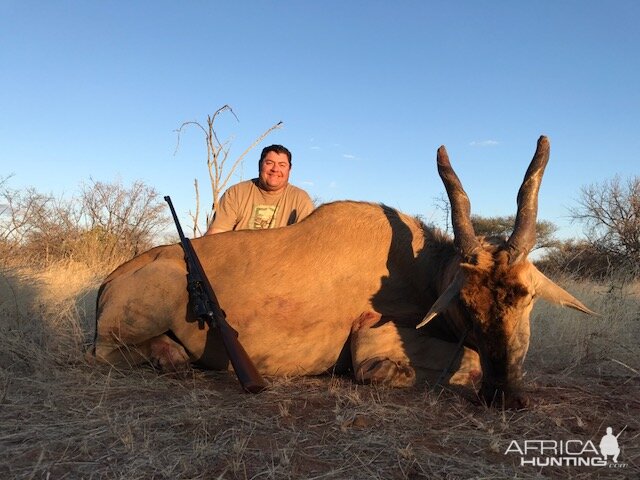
501,385
509,396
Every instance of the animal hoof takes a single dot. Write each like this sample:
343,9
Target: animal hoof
169,357
518,402
386,372
509,401
90,358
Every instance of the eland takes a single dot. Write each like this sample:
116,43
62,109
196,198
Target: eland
356,287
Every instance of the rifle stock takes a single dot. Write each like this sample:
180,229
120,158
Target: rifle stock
207,309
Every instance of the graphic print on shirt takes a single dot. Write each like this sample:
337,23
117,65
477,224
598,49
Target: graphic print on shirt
264,216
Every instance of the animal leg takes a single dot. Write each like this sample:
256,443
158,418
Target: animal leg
378,354
384,371
117,354
161,350
136,308
431,356
204,346
469,373
168,355
402,356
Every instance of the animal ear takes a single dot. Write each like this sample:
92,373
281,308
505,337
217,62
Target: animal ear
553,293
443,300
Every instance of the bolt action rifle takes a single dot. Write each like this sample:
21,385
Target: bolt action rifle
207,309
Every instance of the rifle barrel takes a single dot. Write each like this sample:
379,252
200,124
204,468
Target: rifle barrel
246,371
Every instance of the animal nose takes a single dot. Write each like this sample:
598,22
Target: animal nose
509,400
90,357
518,402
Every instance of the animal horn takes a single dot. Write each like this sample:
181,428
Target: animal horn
443,301
464,236
524,232
553,293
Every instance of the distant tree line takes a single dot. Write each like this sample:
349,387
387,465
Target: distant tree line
108,223
609,212
104,224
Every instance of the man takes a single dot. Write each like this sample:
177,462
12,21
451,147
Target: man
609,445
268,201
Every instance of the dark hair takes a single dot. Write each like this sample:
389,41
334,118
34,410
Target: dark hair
277,149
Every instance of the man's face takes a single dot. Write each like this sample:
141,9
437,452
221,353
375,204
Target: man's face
274,171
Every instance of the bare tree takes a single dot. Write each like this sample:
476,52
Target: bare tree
220,171
36,227
127,217
498,226
20,214
441,203
54,230
503,227
107,223
610,213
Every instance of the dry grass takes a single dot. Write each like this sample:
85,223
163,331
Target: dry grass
60,418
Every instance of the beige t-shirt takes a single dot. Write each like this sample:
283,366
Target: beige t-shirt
245,206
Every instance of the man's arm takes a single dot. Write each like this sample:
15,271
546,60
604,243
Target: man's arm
225,217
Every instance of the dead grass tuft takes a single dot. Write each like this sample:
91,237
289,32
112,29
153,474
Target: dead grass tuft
61,418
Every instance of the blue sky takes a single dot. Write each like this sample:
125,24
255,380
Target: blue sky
367,91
